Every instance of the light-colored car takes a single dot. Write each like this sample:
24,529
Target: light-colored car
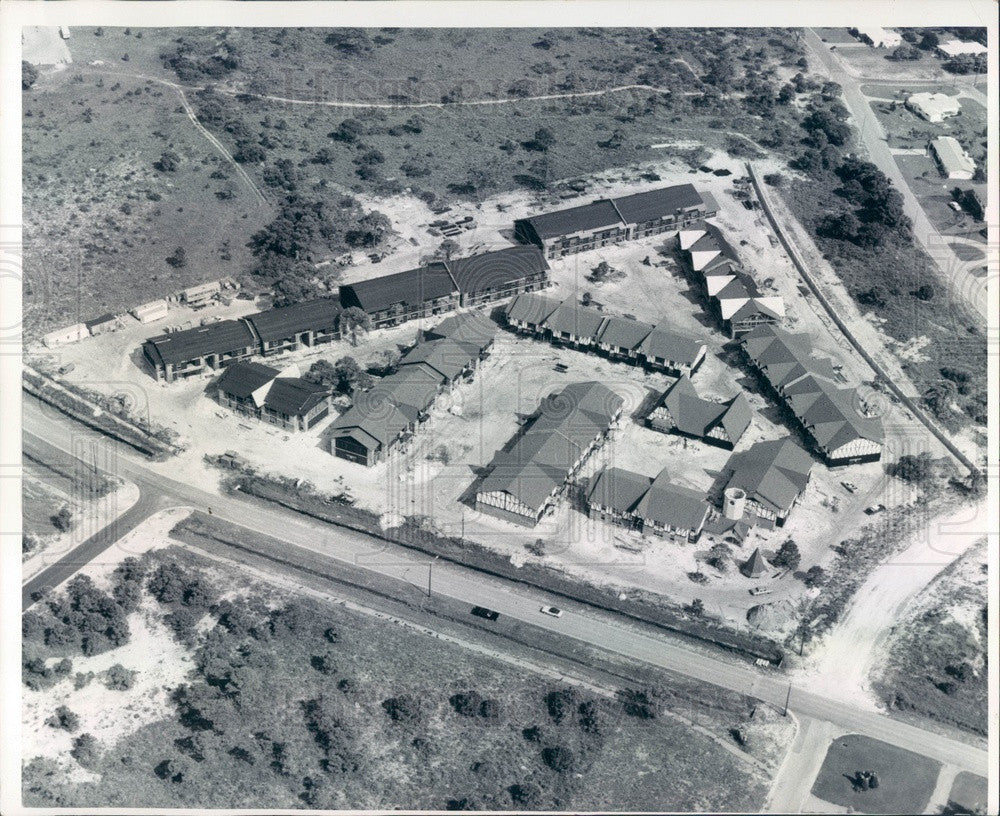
760,590
875,508
554,611
850,487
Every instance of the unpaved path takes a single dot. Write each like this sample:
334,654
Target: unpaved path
842,665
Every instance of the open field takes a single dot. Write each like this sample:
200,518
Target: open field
364,714
872,63
968,793
906,129
906,780
936,661
836,35
934,192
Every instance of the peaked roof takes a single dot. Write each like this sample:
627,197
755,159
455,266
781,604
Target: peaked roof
412,287
241,379
672,504
618,489
286,321
575,319
771,473
489,270
448,357
623,332
468,327
294,396
696,416
755,565
222,337
669,345
532,308
376,416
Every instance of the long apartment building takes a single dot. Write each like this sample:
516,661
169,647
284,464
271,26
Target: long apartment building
215,345
443,286
383,419
275,396
733,295
830,416
526,479
609,221
584,328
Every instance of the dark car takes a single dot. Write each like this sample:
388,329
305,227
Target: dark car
483,612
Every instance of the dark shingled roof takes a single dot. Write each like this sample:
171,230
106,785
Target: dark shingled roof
619,489
531,308
97,321
496,269
586,217
673,505
669,345
654,204
241,379
294,396
223,337
469,327
575,319
287,321
412,287
448,357
696,416
623,332
772,473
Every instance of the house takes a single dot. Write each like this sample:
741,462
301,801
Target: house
960,48
934,107
605,222
70,334
649,505
189,352
740,306
504,273
680,410
829,416
525,480
573,325
278,397
765,481
148,312
952,159
619,338
301,325
394,299
202,294
527,313
470,327
670,352
705,243
384,418
103,324
879,37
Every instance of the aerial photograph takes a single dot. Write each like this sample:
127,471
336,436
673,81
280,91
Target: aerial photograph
586,419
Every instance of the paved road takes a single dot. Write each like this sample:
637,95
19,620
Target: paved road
605,630
954,272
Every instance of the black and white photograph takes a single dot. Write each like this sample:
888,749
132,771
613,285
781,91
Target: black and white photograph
532,406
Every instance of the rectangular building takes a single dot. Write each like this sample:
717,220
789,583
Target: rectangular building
149,312
278,397
193,351
201,294
951,157
492,276
525,480
103,324
394,299
70,334
764,482
609,221
301,325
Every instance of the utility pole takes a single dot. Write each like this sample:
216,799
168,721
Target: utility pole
430,572
788,697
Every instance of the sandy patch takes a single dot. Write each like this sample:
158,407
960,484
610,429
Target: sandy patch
108,715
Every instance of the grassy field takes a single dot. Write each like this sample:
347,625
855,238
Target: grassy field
968,793
906,780
39,503
302,703
937,664
906,129
101,220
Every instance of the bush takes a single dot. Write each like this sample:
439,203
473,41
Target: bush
466,703
638,703
560,703
85,750
788,556
915,469
168,162
63,520
118,678
404,708
64,720
29,75
559,759
815,576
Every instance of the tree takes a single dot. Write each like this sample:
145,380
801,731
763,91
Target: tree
350,375
64,720
929,41
118,678
368,231
542,140
915,469
559,759
717,556
63,520
560,703
85,750
696,607
788,555
179,259
815,576
350,130
168,162
925,292
29,75
353,319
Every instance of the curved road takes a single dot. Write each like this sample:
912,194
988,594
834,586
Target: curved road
604,630
951,270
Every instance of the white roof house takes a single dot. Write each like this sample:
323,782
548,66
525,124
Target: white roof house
148,312
954,161
70,334
956,48
880,38
934,107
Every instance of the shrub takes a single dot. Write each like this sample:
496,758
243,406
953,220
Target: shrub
788,555
118,678
85,750
559,759
64,720
559,703
168,162
638,703
466,703
404,708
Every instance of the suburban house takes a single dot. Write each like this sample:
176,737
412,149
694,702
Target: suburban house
649,505
733,294
952,159
394,299
192,351
619,338
765,481
384,418
829,416
934,107
527,313
961,48
279,397
524,481
611,221
681,411
492,276
468,327
301,325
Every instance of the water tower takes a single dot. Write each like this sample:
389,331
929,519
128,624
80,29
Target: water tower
734,503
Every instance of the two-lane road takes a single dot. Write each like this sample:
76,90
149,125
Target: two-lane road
611,632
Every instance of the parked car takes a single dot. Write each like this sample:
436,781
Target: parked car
562,368
554,611
760,590
874,508
483,612
850,487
